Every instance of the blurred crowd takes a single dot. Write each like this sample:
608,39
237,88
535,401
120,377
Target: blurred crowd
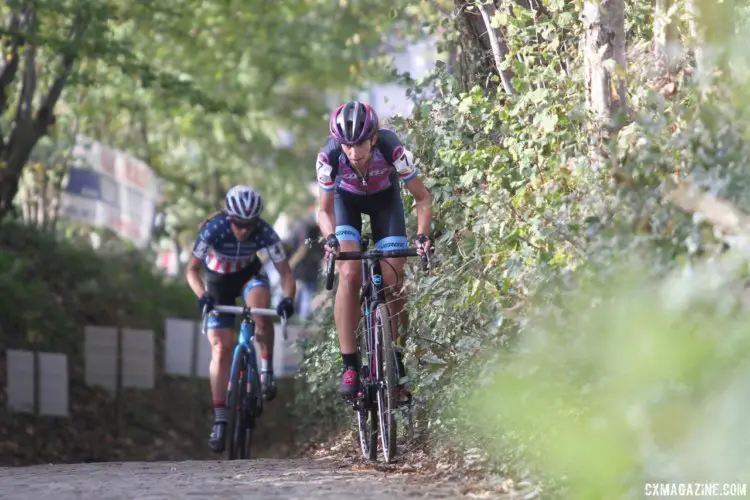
295,228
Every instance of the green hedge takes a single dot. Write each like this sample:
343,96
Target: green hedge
52,288
516,336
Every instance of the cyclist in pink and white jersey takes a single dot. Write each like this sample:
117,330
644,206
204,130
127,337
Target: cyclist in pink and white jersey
358,170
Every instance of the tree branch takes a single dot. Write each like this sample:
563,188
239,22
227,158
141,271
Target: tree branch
145,137
499,51
29,82
10,64
718,212
45,114
10,67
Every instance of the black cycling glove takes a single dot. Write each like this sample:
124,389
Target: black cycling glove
422,239
205,304
332,241
285,307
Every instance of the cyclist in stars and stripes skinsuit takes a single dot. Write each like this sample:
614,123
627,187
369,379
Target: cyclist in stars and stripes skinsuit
227,247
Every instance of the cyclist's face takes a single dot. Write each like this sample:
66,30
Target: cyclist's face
242,229
359,154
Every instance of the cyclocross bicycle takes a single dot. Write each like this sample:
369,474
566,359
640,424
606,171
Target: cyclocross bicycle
378,400
244,394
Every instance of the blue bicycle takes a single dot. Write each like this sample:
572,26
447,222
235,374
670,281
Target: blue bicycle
244,394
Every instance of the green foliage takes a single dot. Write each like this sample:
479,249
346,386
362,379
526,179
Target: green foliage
53,289
529,301
201,90
642,380
317,406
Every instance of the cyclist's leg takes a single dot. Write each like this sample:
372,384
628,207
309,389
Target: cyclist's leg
389,233
224,289
346,306
257,293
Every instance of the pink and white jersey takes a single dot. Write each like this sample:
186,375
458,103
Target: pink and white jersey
334,170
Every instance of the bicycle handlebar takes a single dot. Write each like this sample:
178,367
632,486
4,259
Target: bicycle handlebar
371,254
382,254
241,311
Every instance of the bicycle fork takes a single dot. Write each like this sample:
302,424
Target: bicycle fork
242,361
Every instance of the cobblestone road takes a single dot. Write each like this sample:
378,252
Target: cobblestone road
253,479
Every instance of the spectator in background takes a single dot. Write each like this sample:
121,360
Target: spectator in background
305,261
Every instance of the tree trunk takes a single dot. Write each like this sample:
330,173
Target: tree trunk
711,25
488,46
497,45
178,253
604,24
27,128
667,47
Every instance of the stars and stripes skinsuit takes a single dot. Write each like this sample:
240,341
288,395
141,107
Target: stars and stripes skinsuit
232,266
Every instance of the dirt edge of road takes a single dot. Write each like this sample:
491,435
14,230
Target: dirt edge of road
474,478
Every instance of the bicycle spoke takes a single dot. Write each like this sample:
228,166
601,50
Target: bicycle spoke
254,406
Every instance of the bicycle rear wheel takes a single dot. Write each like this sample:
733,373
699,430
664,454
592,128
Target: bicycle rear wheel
387,391
236,425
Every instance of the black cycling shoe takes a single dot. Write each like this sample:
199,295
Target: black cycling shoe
268,386
216,441
349,386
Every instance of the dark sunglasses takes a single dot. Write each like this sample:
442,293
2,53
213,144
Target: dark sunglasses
360,143
243,224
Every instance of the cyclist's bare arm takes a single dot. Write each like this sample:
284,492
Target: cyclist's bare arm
193,276
326,217
423,201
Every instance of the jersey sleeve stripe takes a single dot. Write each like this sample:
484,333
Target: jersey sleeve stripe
407,176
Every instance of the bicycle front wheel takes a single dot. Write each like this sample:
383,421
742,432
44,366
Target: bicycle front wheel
253,409
236,425
387,393
367,412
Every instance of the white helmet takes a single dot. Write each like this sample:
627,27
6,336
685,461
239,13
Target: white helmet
243,202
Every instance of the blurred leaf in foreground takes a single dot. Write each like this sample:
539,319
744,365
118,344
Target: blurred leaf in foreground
631,381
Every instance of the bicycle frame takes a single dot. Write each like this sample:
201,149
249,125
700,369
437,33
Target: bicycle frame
244,398
372,295
373,292
245,343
